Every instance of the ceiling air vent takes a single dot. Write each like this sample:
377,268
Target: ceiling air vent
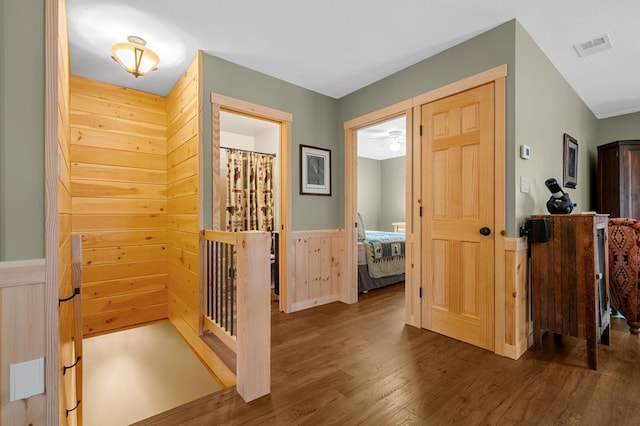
596,45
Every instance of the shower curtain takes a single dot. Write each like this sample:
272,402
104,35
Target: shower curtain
250,192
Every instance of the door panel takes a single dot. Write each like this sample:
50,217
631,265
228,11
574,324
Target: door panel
458,190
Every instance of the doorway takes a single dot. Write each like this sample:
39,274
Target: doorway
420,262
381,204
249,188
255,128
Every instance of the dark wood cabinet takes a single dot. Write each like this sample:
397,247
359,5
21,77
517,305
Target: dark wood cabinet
570,285
619,179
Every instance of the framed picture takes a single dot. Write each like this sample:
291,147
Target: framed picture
570,162
315,171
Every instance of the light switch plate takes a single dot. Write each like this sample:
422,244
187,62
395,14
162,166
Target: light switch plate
26,379
525,152
524,184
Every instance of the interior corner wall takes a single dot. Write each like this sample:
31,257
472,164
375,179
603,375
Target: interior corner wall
622,127
546,107
369,194
480,53
22,103
315,123
183,158
393,184
119,203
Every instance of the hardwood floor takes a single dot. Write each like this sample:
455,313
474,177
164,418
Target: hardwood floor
359,364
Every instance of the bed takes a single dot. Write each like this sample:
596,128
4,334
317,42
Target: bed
381,258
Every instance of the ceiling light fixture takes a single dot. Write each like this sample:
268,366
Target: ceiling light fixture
135,57
394,140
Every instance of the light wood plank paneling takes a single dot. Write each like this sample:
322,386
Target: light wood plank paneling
117,173
96,188
184,170
21,308
110,93
184,205
319,265
185,259
96,106
184,240
100,289
518,326
86,205
183,223
187,110
184,134
112,157
118,320
181,311
68,388
132,143
90,222
112,271
184,118
123,238
88,120
129,301
181,188
108,255
183,152
119,203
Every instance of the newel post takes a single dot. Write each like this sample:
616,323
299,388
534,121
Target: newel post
253,362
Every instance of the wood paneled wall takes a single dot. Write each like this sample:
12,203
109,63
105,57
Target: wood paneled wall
119,203
518,326
68,351
319,260
22,335
184,134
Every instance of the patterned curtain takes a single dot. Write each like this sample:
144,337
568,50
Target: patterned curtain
250,201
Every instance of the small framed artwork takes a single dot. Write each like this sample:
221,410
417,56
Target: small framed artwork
315,171
570,162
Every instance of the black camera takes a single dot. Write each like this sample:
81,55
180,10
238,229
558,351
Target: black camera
559,203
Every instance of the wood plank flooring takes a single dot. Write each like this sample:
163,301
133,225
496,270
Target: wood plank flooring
359,364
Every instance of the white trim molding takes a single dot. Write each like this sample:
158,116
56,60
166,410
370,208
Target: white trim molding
22,272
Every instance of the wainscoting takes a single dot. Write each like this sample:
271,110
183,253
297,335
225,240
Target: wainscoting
22,334
318,260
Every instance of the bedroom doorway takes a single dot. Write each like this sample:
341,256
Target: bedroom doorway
404,183
381,203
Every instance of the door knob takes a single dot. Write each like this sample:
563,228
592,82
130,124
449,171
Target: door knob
485,231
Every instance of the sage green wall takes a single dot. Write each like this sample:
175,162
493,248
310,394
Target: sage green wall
546,107
381,192
622,127
485,51
369,194
393,183
21,130
315,122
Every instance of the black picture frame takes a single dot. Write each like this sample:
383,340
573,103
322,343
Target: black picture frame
315,170
570,162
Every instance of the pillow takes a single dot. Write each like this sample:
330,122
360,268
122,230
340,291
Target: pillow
360,223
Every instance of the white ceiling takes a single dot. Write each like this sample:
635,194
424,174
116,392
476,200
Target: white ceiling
335,47
374,141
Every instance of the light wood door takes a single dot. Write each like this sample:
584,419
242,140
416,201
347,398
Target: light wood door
458,200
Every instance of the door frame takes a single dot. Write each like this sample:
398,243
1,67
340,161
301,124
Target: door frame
412,269
412,109
284,120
